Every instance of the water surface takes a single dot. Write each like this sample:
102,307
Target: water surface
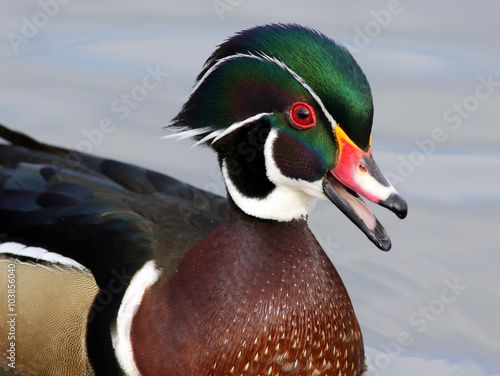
428,307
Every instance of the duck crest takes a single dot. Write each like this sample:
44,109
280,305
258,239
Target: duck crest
272,305
326,69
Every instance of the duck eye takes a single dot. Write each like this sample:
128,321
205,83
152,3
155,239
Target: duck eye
303,115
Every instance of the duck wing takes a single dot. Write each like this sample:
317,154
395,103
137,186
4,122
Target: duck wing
99,212
75,229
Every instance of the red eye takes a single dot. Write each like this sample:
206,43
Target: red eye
303,115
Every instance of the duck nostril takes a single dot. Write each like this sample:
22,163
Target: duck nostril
362,169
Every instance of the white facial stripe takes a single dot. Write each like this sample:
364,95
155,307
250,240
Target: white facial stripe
306,86
38,254
274,174
291,199
214,67
214,135
218,134
282,65
282,204
208,137
120,331
239,124
187,133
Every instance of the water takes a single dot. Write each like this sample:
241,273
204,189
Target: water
430,306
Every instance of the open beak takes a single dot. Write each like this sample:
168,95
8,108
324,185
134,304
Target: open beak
355,174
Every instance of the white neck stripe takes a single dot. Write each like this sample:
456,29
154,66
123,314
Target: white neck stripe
287,201
121,330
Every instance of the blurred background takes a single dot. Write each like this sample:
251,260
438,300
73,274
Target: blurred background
430,305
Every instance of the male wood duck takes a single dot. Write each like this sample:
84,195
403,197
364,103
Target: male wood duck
120,270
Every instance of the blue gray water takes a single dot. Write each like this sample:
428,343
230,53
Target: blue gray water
429,306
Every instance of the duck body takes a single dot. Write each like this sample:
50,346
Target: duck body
76,235
267,306
168,279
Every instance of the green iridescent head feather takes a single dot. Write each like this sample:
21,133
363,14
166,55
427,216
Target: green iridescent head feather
239,88
231,92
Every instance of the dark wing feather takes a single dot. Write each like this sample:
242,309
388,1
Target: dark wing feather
99,212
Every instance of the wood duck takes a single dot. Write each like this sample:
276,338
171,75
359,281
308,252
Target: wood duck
120,270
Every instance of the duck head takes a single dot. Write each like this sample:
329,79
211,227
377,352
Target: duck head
289,113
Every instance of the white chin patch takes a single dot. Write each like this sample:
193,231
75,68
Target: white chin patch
291,199
282,204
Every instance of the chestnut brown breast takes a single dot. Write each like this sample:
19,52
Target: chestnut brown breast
259,299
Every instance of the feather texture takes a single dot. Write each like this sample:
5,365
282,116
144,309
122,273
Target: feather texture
79,210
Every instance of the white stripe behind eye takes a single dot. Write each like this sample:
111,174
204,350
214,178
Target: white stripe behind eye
208,137
218,134
38,254
214,135
306,86
186,133
239,124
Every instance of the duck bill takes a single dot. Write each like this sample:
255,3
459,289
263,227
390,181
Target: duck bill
356,174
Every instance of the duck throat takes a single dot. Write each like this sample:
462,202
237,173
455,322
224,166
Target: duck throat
242,161
255,297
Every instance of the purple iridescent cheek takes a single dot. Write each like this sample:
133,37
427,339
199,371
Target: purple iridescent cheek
297,161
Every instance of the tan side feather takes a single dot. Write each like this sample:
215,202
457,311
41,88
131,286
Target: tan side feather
52,303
